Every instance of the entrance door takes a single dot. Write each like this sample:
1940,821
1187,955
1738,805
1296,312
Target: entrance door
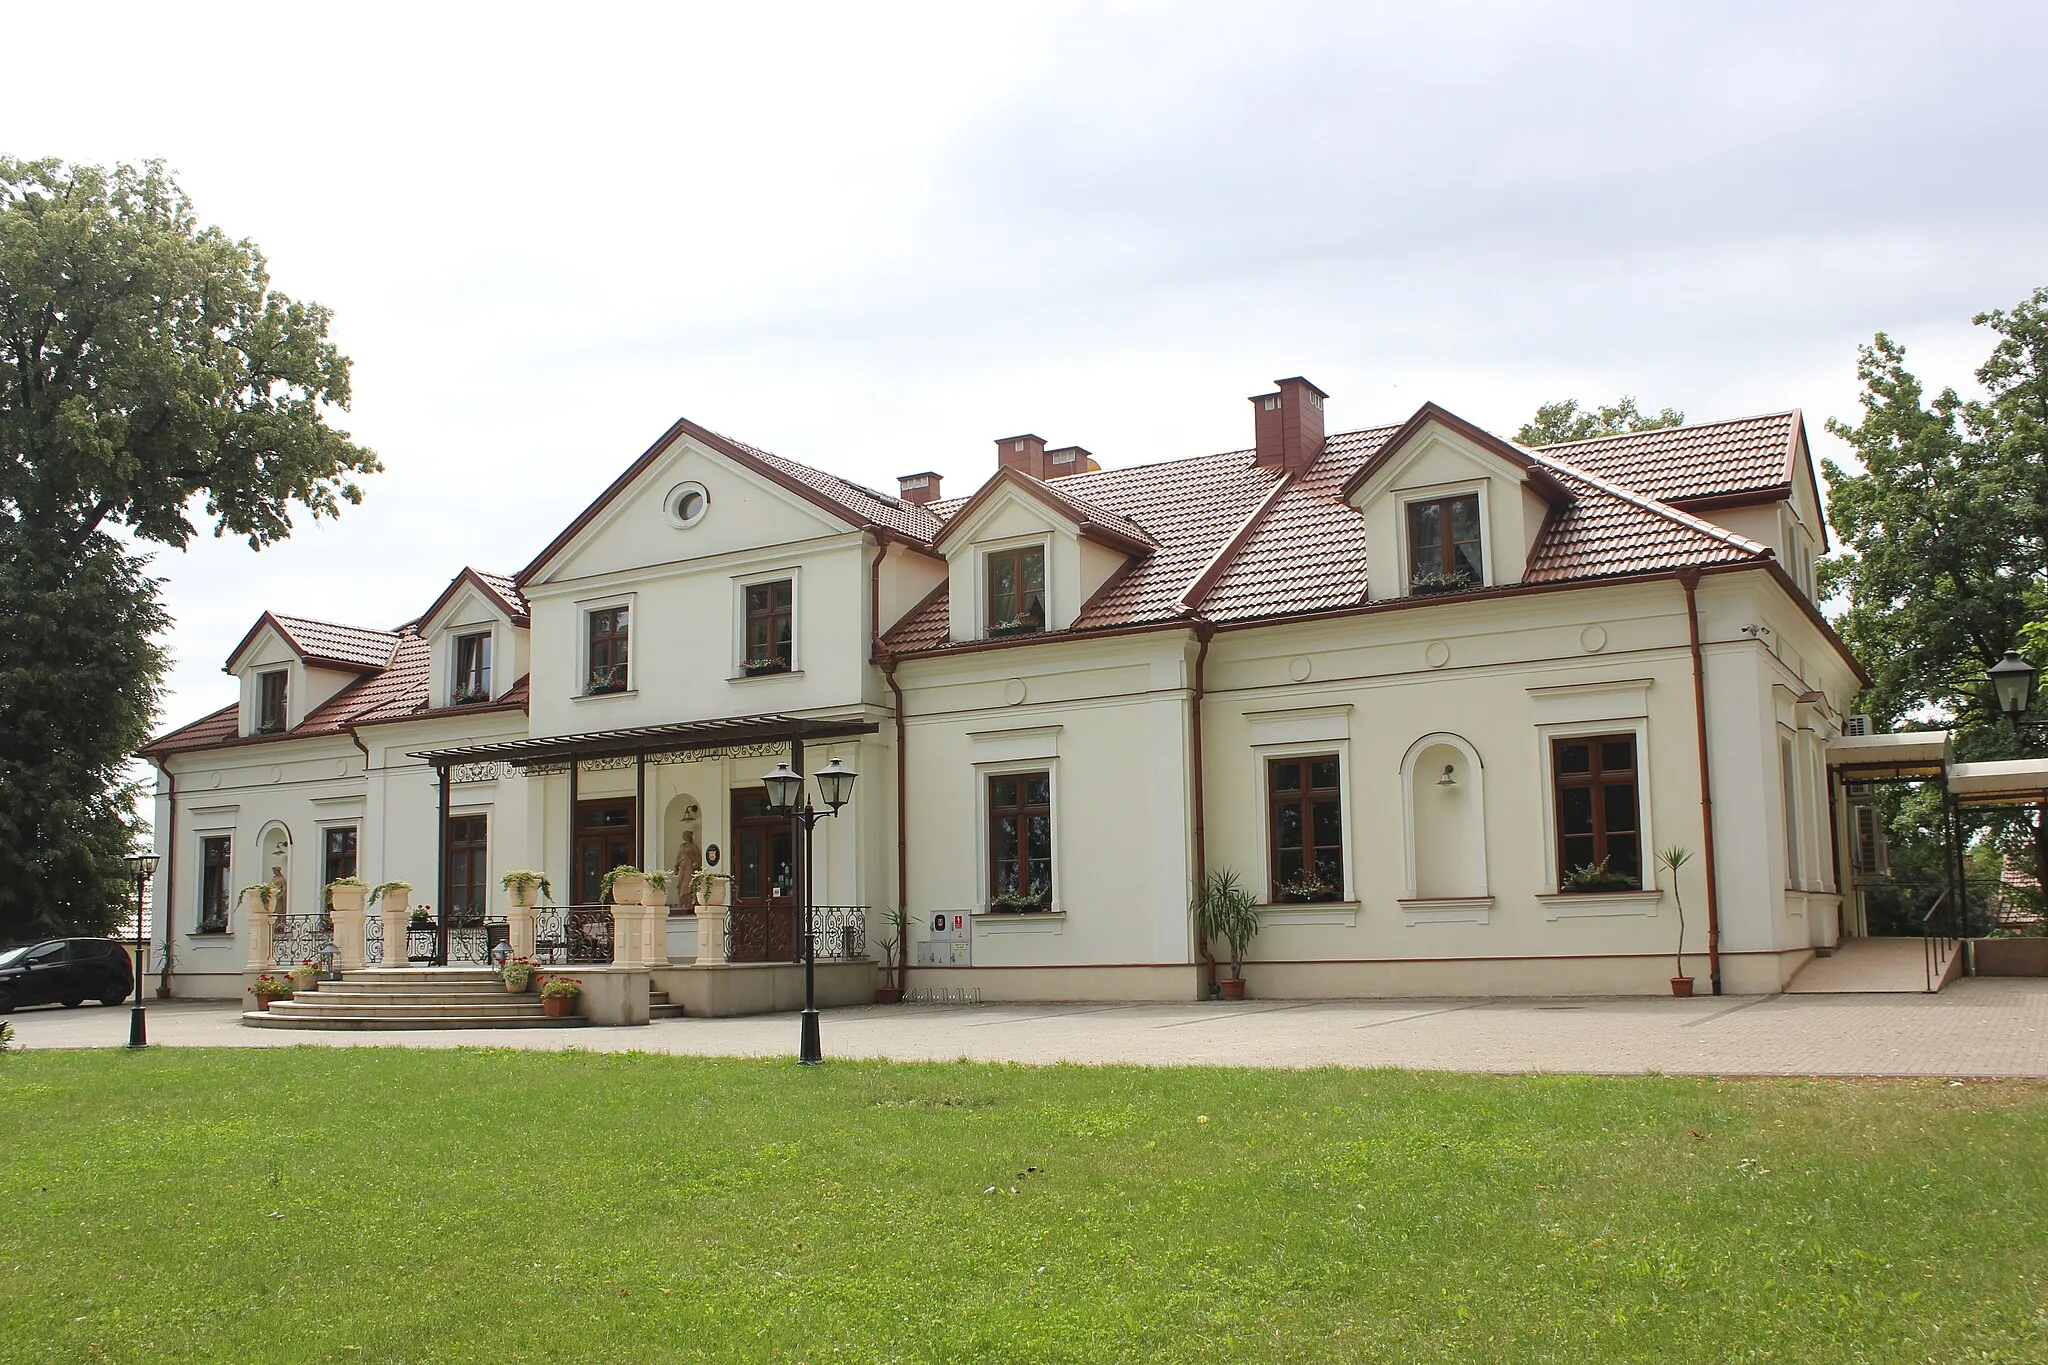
468,864
604,840
763,906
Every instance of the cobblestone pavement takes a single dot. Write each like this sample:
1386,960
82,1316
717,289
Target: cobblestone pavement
1979,1027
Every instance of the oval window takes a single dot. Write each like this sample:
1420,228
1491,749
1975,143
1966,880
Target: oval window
687,504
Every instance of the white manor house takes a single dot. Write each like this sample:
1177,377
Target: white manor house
1436,699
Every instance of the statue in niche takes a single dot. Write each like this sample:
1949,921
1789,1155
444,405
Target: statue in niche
682,896
277,893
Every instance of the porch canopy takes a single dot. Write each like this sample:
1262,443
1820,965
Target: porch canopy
1882,758
646,741
2014,782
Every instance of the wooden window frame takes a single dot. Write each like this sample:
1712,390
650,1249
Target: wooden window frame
1022,809
1444,564
1018,555
470,680
1598,779
209,883
777,659
608,649
273,713
328,874
1304,800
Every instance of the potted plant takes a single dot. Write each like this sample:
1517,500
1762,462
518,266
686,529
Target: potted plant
422,916
347,894
523,883
305,976
558,996
165,960
518,974
1676,857
709,886
267,988
1597,877
895,956
622,885
401,892
264,892
1228,913
657,887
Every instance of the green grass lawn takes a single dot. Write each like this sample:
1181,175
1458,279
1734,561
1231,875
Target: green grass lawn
398,1205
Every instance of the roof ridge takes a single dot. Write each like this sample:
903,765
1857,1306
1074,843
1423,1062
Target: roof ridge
1652,505
1656,431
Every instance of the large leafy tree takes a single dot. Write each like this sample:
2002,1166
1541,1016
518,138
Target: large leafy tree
1566,421
1944,529
150,380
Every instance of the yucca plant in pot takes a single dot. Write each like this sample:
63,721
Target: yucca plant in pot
1227,913
1674,858
895,952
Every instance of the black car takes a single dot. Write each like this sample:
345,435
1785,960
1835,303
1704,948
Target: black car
65,971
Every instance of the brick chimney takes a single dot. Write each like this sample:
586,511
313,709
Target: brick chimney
1067,460
919,488
1289,426
1023,453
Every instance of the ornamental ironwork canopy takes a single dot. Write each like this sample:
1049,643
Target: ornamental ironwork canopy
642,741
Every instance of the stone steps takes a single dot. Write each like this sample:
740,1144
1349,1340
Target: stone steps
411,998
659,1007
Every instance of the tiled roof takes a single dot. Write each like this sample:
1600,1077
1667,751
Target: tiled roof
1090,513
1710,459
1305,551
507,589
863,506
327,642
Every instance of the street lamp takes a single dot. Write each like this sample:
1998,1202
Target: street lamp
144,865
786,797
2012,683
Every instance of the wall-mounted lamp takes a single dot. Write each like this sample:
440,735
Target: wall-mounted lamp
1754,631
1447,780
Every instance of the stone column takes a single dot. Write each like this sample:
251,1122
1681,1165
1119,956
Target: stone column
628,938
655,905
521,925
258,920
394,908
347,914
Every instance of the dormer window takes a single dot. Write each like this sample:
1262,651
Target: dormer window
1016,591
472,669
1444,551
609,631
272,714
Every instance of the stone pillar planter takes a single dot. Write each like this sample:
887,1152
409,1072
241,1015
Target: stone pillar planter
654,925
394,908
710,931
257,915
521,923
629,938
346,911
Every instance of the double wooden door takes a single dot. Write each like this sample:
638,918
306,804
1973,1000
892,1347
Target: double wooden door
764,881
604,840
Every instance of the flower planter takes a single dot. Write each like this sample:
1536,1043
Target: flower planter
558,1006
263,1002
1681,986
1233,987
888,995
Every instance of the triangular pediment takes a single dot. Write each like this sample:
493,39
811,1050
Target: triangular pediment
1437,446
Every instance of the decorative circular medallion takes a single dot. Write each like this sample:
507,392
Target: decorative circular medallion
341,767
1299,667
276,773
1593,639
1436,653
686,504
1014,692
213,781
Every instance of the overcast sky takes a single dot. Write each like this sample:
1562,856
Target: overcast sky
875,238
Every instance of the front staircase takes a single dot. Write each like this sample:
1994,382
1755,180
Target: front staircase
410,998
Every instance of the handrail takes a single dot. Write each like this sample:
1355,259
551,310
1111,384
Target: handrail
1935,946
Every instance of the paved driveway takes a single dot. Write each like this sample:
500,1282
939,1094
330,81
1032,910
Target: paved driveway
1980,1027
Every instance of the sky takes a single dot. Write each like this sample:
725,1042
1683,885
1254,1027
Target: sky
876,238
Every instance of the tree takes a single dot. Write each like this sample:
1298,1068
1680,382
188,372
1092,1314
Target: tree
1943,532
1563,421
146,366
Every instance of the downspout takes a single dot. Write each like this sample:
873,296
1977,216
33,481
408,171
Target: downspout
877,654
1689,579
441,871
1203,633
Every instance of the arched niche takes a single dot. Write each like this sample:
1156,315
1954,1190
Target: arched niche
273,860
1443,790
683,813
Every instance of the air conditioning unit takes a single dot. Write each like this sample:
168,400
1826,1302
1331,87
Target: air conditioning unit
1857,726
1872,854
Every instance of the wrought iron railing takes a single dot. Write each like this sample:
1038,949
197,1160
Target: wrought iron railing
1938,939
478,942
373,940
838,933
566,934
294,938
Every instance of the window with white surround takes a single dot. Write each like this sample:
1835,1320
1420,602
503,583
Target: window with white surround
1016,794
1445,547
767,615
273,712
472,679
1788,775
607,637
1593,741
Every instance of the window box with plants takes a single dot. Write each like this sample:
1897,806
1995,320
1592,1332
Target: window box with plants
1030,902
1025,625
558,996
1430,583
1306,891
607,679
471,696
761,668
1597,879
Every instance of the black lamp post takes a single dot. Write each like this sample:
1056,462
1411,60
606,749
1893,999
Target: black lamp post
144,865
786,797
2012,682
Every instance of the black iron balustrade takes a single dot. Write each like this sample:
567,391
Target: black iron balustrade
294,938
478,940
572,934
839,933
373,940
